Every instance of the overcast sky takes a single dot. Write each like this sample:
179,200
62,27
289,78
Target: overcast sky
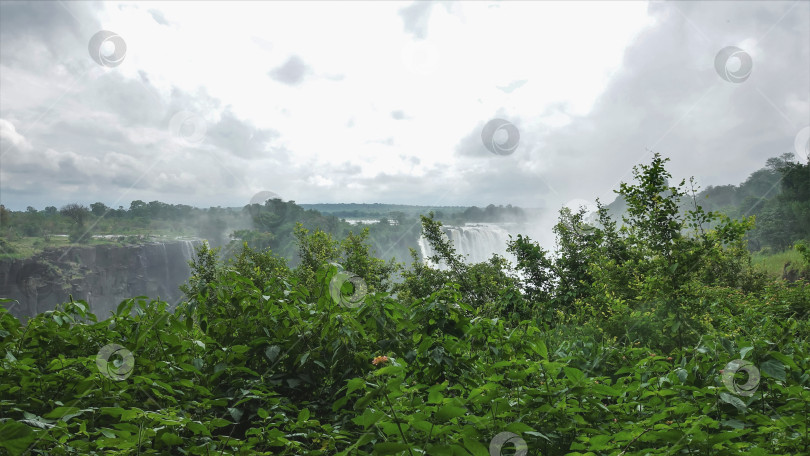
209,103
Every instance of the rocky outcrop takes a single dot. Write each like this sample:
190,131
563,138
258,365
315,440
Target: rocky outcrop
102,275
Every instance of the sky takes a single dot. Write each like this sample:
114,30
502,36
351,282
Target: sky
532,103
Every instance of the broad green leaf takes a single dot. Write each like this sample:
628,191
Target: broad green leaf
63,413
448,412
16,437
475,447
389,448
303,415
573,374
774,369
733,400
272,352
171,439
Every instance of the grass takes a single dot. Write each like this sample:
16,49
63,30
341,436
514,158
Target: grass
774,263
27,247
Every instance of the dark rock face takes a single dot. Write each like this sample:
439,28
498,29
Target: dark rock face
102,275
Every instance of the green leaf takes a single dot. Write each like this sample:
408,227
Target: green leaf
475,447
435,397
773,369
368,418
235,413
16,437
219,422
171,439
540,348
272,352
198,428
519,428
303,415
389,448
786,360
355,384
63,413
605,390
240,349
448,412
733,400
573,374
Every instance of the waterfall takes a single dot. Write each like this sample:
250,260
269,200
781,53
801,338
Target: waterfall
188,248
476,242
165,260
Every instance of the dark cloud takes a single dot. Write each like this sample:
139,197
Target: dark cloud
292,72
107,134
240,138
668,98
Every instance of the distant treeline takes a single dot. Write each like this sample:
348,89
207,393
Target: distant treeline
777,196
270,225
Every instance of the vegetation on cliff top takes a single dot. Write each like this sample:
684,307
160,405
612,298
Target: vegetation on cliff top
656,336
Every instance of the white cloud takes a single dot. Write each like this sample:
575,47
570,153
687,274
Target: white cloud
589,85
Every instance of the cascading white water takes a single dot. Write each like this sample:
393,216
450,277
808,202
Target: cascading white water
188,248
476,242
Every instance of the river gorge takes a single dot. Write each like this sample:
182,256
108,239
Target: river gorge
101,275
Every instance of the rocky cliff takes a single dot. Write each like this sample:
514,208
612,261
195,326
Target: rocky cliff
102,275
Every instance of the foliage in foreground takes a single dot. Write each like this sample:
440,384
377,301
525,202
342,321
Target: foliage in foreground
617,346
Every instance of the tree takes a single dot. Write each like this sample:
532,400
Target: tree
76,212
98,209
137,208
4,216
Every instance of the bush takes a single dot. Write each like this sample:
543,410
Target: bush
630,343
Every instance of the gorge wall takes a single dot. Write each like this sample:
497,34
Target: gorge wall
102,275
